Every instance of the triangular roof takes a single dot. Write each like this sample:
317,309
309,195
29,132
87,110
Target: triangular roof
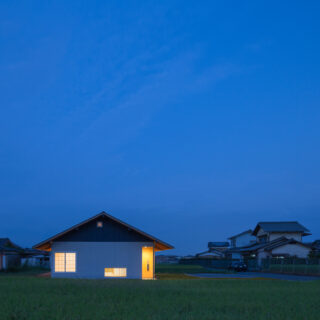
283,242
268,246
281,226
159,245
240,234
7,245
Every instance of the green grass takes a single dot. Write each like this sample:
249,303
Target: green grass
181,268
29,298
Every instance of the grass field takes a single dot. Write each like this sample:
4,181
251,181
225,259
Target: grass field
24,297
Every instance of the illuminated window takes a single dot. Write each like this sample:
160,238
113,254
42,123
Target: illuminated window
70,262
99,224
65,262
59,262
115,272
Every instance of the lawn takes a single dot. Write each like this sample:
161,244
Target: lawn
30,297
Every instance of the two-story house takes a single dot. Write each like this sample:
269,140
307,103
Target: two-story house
274,239
269,231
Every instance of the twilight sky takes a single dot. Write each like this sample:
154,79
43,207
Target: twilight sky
192,120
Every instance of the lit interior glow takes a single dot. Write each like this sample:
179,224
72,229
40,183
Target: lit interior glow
99,224
115,272
65,262
59,262
147,263
70,262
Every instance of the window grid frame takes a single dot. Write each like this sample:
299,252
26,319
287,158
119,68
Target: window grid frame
115,272
64,268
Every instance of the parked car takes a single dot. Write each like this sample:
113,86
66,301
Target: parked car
238,266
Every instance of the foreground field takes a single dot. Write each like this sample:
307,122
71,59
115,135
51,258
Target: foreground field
28,297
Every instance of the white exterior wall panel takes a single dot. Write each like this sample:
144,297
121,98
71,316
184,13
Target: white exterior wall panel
294,235
93,257
245,240
293,250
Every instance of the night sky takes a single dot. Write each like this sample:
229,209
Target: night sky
191,120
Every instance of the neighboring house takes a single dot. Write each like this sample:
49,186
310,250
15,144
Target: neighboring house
9,254
269,231
278,248
35,258
216,250
274,239
242,239
103,247
210,254
218,245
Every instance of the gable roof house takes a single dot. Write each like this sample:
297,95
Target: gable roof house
216,250
103,247
281,239
268,231
274,239
9,254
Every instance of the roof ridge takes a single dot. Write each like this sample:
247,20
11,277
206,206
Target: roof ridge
109,216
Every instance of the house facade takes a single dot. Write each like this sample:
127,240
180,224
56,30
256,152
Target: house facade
103,247
281,239
242,239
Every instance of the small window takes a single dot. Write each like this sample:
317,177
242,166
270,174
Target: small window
65,262
115,272
99,224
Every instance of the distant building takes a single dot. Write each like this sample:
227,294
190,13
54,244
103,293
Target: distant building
218,245
269,231
210,254
216,250
275,239
13,256
242,239
35,258
10,254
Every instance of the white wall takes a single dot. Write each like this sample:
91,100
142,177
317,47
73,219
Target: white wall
261,232
236,255
244,240
295,235
262,255
93,257
292,250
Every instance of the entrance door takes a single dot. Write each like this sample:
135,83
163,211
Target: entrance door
147,263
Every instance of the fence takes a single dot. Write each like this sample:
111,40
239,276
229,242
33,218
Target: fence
294,266
219,263
276,265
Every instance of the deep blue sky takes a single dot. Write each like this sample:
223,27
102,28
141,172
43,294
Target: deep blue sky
191,120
